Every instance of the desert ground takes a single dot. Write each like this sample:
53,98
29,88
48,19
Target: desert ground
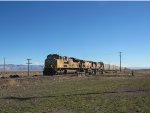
21,74
143,72
75,94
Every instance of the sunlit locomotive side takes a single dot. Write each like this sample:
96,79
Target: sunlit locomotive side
56,64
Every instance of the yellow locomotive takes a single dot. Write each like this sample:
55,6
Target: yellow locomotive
56,64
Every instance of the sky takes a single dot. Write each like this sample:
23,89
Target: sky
95,31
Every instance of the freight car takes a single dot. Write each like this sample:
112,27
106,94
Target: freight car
109,67
56,64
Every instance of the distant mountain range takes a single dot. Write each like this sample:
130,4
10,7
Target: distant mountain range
13,67
139,68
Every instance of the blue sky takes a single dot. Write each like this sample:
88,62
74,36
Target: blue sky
87,30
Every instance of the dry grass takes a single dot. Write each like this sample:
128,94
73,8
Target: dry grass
75,95
142,72
21,74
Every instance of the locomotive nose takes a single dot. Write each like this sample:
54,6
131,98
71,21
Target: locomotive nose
50,62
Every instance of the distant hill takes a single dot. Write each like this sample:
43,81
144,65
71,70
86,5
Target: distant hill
140,68
12,67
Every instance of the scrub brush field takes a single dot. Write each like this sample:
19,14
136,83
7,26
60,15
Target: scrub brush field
63,94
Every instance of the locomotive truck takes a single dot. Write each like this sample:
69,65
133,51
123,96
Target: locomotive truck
56,64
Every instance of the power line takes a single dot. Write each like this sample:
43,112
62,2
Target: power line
28,65
120,53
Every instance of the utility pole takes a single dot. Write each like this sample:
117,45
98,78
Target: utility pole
4,64
28,65
120,60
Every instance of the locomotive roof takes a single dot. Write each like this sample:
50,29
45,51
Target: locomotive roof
75,59
53,55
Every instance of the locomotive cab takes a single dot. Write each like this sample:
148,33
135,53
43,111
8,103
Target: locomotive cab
51,64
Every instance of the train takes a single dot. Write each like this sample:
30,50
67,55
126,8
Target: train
56,64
